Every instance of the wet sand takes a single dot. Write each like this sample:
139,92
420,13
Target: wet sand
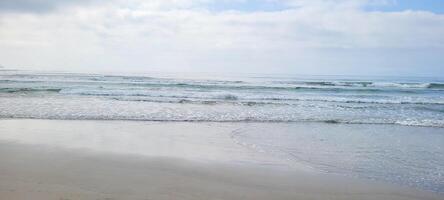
42,159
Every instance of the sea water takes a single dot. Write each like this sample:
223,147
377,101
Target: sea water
252,98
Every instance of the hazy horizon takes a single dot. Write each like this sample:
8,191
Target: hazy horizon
215,74
296,37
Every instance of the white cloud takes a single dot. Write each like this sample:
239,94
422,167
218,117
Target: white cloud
308,37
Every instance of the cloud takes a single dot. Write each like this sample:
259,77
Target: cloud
316,36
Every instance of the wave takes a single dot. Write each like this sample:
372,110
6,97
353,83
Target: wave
339,83
366,84
141,84
418,123
118,78
436,86
431,109
26,90
233,99
319,86
214,99
126,91
268,82
230,97
203,102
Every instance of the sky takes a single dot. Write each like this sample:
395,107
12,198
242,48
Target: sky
325,37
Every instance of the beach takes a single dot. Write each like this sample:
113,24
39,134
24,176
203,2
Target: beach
60,159
174,136
222,100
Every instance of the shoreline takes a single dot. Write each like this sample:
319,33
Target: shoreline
229,122
47,159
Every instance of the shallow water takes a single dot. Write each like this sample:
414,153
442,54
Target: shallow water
412,156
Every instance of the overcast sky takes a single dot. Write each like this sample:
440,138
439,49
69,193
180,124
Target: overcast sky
361,37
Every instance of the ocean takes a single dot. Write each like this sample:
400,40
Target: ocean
382,128
330,99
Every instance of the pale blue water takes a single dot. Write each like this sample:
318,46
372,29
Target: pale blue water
383,128
354,100
406,155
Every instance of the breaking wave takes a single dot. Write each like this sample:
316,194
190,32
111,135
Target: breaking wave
28,90
420,123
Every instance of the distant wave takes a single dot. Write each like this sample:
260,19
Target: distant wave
367,84
285,84
356,101
232,99
226,97
246,88
16,90
321,86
